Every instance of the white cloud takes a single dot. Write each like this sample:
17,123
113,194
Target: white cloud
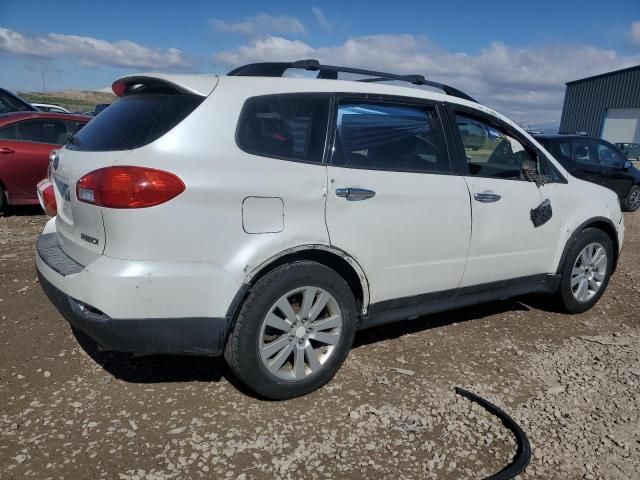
321,18
634,33
261,24
264,49
524,83
92,51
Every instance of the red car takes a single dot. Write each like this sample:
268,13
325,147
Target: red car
26,141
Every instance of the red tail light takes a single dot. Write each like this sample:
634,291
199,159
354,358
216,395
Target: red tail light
49,201
128,187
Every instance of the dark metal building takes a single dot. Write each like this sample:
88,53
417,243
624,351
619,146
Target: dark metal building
605,106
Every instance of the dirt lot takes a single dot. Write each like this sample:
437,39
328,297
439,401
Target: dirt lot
572,382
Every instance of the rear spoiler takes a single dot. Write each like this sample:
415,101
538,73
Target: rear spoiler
201,85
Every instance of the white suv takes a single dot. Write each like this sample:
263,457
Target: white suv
269,218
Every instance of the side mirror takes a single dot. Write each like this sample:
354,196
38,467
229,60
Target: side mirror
627,165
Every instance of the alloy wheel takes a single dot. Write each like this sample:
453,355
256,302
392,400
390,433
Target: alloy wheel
300,332
589,272
634,199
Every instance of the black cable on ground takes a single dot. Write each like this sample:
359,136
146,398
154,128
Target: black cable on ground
523,454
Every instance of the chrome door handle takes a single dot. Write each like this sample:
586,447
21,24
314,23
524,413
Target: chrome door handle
487,197
355,194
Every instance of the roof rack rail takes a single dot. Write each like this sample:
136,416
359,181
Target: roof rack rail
277,69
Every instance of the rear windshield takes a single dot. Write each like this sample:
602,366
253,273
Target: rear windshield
134,121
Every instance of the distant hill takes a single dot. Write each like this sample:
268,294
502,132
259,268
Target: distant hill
72,100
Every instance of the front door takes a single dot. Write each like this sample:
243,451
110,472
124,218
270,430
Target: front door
614,175
393,202
500,169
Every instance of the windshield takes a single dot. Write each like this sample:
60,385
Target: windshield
11,103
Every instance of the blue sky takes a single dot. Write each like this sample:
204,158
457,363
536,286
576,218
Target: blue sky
514,56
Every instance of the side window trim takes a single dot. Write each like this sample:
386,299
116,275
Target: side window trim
437,107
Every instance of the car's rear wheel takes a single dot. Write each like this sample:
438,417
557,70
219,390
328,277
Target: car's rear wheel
294,330
586,271
632,202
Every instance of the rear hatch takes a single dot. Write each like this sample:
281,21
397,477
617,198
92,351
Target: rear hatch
149,108
80,227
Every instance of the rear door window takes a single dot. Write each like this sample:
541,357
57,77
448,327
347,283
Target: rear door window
584,153
134,121
43,131
388,136
288,126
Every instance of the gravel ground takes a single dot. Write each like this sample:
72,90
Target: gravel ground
69,411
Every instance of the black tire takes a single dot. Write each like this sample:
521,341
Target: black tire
242,351
632,202
578,243
3,200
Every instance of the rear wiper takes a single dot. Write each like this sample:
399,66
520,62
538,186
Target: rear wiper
73,140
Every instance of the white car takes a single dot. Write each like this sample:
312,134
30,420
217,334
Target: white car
269,218
47,107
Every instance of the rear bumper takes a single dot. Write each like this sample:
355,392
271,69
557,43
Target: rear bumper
191,336
140,306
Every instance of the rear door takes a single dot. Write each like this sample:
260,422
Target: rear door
137,119
505,243
393,202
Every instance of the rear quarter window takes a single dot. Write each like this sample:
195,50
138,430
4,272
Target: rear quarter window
134,121
288,126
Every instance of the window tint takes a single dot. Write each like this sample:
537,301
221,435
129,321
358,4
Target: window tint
43,131
561,150
583,152
492,152
9,133
608,156
74,127
135,120
389,137
289,126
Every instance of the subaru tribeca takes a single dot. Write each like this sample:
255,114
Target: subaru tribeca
268,218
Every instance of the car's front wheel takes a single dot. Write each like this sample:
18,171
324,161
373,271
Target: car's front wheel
586,271
294,330
632,202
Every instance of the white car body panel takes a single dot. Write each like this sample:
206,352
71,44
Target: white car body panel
504,243
408,205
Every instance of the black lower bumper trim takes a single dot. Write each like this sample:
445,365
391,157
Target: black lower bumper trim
188,336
